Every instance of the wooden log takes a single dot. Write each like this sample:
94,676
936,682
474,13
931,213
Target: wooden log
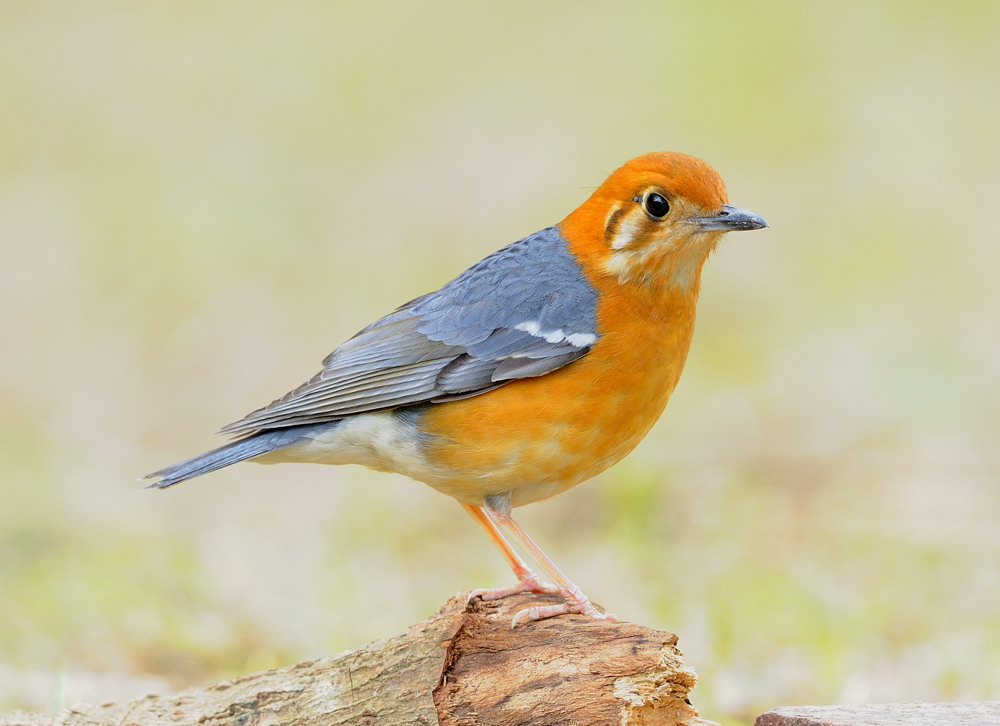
890,714
461,667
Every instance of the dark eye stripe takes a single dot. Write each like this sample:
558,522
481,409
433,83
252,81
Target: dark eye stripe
613,222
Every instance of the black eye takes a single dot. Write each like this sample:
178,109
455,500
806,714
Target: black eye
657,205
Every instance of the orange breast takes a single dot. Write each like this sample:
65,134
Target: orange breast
540,436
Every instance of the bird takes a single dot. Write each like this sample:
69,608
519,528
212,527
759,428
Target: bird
537,368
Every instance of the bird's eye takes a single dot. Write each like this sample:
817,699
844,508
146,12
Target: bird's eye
657,205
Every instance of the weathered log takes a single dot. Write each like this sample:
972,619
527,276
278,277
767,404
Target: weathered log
887,714
463,666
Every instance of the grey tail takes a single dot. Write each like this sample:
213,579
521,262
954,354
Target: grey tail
232,453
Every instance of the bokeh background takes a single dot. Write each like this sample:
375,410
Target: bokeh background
199,200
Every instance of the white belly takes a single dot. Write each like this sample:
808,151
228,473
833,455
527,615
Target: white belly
382,441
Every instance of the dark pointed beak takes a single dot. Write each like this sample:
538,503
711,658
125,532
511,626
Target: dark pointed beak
730,219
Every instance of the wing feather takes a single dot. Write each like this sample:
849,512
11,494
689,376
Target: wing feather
524,311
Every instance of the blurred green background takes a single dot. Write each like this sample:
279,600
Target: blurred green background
199,201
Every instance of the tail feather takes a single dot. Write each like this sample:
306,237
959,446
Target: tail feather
246,448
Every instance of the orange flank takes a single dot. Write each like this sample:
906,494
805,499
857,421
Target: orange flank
538,437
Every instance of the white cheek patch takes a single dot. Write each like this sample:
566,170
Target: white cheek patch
578,340
618,264
682,273
623,263
626,232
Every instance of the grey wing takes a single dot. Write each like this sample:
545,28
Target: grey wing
524,311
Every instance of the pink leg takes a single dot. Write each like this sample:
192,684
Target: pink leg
527,581
576,601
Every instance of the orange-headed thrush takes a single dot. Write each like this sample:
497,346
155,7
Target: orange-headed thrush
537,368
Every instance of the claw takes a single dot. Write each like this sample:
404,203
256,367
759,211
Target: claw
541,612
529,583
574,602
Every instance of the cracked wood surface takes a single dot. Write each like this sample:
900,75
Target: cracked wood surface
463,666
886,714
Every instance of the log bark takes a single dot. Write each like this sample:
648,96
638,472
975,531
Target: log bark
888,714
463,666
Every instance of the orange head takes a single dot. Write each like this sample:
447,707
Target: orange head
654,221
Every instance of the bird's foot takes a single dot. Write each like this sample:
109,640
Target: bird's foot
529,582
575,603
